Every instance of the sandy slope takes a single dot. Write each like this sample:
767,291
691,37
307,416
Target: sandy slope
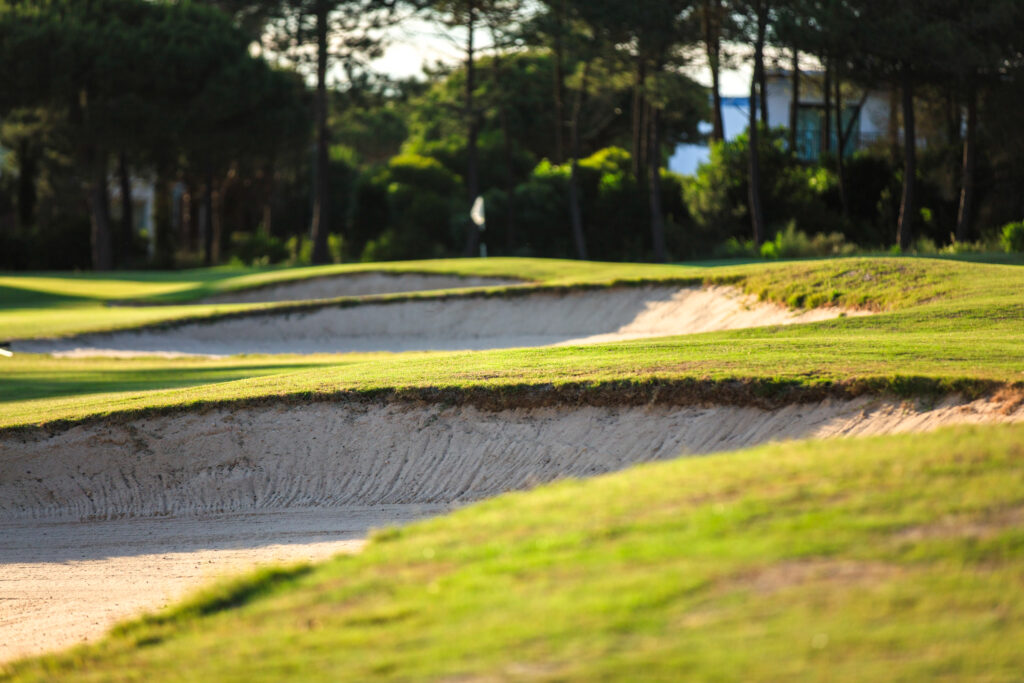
356,284
101,522
65,582
460,323
338,454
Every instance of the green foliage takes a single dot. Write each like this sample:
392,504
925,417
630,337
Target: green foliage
405,210
792,243
514,91
201,115
299,251
422,173
256,249
1012,237
717,197
614,205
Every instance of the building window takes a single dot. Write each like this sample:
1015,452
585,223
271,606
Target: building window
810,127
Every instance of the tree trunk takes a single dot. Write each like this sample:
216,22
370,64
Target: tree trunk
506,141
756,213
267,210
163,221
894,127
321,208
826,129
99,210
905,227
190,215
963,222
575,208
713,47
217,218
762,78
472,165
638,118
27,193
559,65
840,162
576,212
206,220
127,236
794,103
654,189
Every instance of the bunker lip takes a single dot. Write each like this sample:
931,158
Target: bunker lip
341,286
762,393
292,307
475,320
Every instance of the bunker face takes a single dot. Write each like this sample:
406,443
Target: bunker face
105,520
358,284
460,323
328,455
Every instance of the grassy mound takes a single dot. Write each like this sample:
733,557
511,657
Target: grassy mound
66,304
942,326
888,558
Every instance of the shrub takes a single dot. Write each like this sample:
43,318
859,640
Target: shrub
981,246
422,173
615,207
1012,237
404,210
300,251
256,249
792,243
717,196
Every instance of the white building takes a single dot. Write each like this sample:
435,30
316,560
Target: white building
871,113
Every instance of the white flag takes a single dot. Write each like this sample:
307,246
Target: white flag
477,212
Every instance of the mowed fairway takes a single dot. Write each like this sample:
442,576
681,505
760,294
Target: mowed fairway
894,557
937,326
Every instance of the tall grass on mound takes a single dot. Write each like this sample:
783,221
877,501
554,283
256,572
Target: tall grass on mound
896,558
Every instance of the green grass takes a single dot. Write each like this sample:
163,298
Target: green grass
47,305
945,326
895,558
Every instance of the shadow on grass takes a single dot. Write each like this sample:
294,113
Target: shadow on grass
23,297
33,385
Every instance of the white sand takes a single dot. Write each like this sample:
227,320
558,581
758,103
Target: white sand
539,319
356,284
103,521
66,582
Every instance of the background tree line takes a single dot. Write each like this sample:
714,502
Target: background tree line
264,136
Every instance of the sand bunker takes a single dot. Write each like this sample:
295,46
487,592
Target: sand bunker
103,521
461,323
356,284
335,455
67,582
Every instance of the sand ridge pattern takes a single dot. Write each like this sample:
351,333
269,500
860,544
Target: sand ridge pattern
340,454
455,323
103,521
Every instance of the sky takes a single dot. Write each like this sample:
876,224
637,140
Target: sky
417,42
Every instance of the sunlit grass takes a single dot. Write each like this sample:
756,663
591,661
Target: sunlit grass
55,305
944,322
